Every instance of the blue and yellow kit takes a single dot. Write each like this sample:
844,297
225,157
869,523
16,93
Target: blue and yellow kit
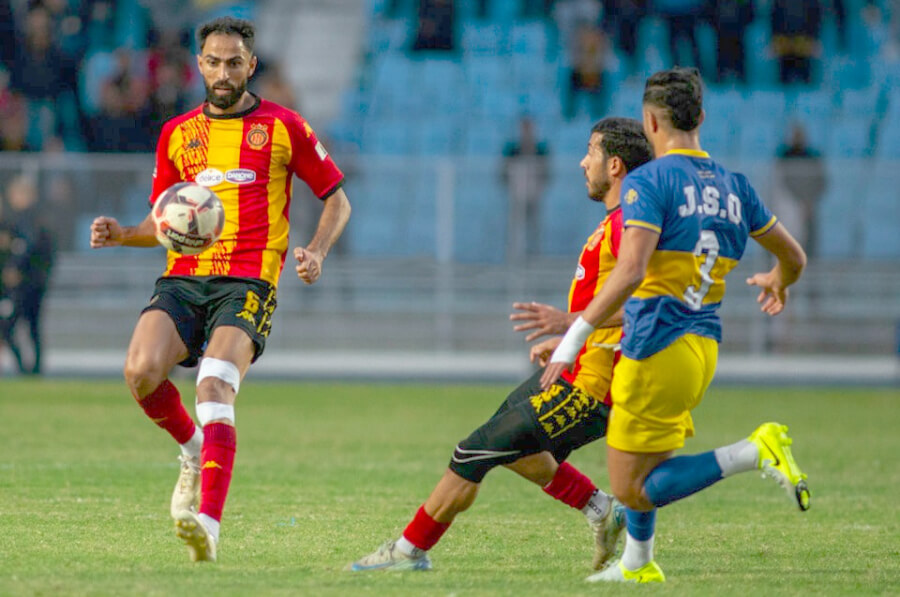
704,215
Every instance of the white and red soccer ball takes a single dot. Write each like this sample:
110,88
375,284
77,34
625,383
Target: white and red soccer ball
188,217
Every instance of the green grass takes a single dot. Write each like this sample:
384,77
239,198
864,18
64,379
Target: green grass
325,473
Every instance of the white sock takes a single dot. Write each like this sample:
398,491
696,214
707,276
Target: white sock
191,448
211,524
407,548
637,553
740,457
597,507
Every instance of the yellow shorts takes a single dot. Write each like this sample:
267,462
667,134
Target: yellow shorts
653,397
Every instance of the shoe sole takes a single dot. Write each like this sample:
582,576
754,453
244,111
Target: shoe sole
197,539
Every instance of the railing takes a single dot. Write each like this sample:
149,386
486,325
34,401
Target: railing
425,267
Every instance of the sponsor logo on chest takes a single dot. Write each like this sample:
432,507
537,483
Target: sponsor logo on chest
240,175
209,177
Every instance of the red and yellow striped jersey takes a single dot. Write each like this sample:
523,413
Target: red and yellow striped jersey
248,159
592,371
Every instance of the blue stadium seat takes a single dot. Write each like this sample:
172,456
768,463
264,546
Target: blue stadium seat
717,136
817,104
762,69
437,136
484,39
881,213
850,137
888,144
759,138
568,217
837,225
480,211
389,137
860,101
528,39
484,137
765,105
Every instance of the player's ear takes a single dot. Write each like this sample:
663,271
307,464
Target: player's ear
616,167
702,117
254,61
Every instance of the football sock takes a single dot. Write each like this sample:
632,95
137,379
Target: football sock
212,525
423,532
681,476
571,486
163,406
737,458
193,446
639,542
216,463
598,506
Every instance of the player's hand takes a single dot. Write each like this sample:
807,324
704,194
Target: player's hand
772,296
552,373
542,351
543,319
309,264
105,232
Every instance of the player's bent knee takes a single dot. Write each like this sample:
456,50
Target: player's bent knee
143,375
219,369
207,412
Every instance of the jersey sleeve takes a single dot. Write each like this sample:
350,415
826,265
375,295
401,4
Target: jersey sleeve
165,173
641,205
759,219
309,160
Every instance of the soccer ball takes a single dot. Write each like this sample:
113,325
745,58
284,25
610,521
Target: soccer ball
188,217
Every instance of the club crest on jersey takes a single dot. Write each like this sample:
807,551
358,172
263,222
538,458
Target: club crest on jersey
631,196
579,272
257,136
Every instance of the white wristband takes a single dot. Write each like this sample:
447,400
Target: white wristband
572,342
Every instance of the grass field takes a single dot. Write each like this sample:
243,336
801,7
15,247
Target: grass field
325,473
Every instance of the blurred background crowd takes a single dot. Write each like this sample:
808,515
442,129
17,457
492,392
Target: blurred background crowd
459,124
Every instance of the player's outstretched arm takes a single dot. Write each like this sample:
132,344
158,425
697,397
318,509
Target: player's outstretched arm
107,232
331,224
542,318
791,260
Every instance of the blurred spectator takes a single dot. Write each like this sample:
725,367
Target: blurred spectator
27,271
170,75
530,9
13,121
730,20
682,18
525,175
121,124
39,73
801,172
589,65
7,35
796,25
272,85
622,18
436,25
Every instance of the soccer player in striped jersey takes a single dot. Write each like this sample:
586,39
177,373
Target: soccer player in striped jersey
215,308
533,432
687,222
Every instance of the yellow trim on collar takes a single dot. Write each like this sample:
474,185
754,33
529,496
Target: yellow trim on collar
696,153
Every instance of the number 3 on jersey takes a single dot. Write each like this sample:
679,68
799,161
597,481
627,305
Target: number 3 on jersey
708,243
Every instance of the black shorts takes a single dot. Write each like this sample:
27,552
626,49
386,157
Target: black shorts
200,305
558,421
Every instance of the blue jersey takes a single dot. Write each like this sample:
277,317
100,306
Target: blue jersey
704,215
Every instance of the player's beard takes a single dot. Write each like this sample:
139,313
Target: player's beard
223,102
598,192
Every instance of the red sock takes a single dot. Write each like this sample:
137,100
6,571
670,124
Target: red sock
163,406
216,462
424,531
571,486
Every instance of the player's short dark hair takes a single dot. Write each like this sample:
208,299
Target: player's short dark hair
228,26
624,138
678,91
